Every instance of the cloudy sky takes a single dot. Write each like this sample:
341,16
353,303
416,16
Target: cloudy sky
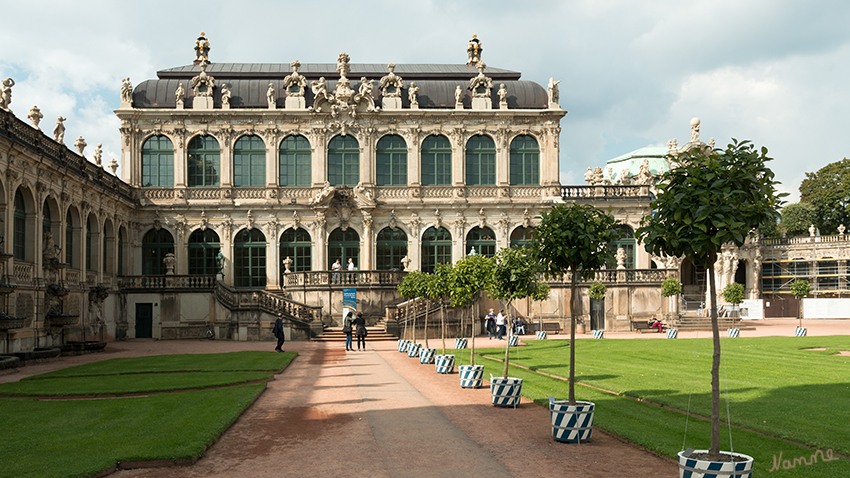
632,73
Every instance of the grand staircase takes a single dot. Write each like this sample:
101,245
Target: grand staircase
695,322
375,333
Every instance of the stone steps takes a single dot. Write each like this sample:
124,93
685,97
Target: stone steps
696,323
376,333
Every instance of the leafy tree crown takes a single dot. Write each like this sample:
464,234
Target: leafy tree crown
801,288
733,293
597,291
515,275
798,217
469,276
828,190
670,287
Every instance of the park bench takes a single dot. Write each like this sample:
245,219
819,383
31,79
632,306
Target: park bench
551,327
640,326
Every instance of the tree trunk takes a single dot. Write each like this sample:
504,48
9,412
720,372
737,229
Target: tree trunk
508,342
406,319
413,338
714,451
572,380
427,305
472,348
443,323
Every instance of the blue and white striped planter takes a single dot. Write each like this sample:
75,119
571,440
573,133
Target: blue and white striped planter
506,392
598,334
427,355
445,363
571,423
460,343
413,350
692,468
471,376
402,345
541,334
513,341
734,333
801,331
672,333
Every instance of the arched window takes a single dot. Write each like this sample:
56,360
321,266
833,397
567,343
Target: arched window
249,259
203,162
155,245
628,243
295,161
120,252
204,246
436,248
525,161
158,163
344,245
521,236
344,161
391,248
436,161
297,245
46,222
480,161
249,162
70,257
483,240
391,161
89,251
20,225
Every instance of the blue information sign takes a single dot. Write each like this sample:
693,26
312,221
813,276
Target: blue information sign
349,298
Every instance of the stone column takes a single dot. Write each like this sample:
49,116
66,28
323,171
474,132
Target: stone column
458,160
503,156
272,164
367,244
319,159
180,164
549,154
181,253
414,161
367,157
273,265
320,252
226,162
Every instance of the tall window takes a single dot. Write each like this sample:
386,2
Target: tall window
296,245
203,161
158,163
295,161
525,161
249,259
480,161
249,162
20,224
120,252
344,161
521,236
436,248
628,243
436,161
391,161
483,240
155,245
391,248
203,249
89,235
46,222
70,257
344,245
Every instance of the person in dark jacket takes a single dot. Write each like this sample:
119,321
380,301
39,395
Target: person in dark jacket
360,331
278,332
346,329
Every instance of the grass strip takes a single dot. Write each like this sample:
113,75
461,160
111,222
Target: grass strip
84,437
127,384
223,362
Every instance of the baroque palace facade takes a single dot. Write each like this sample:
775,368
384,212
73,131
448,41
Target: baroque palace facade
244,184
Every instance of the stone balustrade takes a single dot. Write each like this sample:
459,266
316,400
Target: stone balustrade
341,279
582,192
172,282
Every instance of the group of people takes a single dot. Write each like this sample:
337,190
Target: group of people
336,267
497,324
358,326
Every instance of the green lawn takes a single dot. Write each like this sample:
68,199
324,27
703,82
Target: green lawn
71,438
774,387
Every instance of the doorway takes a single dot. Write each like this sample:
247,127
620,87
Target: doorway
144,321
597,314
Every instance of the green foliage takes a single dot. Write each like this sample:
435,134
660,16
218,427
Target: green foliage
128,383
670,287
828,190
410,286
514,275
797,217
574,237
597,291
733,293
470,275
801,288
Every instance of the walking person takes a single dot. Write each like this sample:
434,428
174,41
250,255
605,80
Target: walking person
490,324
278,332
360,331
500,324
346,329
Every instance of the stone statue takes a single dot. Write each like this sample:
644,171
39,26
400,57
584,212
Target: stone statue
364,195
812,230
695,130
59,130
295,83
113,165
412,93
621,258
169,262
203,84
458,95
6,93
625,177
597,176
320,89
180,94
50,251
98,154
219,259
126,90
270,96
841,229
366,87
391,85
554,95
481,85
405,262
287,264
325,193
588,176
80,144
503,95
711,143
644,175
225,95
35,116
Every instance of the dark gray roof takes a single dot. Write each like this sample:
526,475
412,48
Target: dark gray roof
313,71
252,93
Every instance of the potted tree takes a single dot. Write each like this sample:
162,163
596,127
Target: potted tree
596,292
470,276
709,199
800,288
573,239
445,363
415,281
430,293
407,289
671,287
515,276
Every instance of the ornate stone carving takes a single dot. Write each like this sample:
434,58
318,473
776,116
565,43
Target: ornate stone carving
227,225
363,100
438,219
504,223
203,84
321,222
554,94
170,262
273,225
126,91
625,177
320,95
295,83
59,130
367,219
694,130
296,220
98,155
460,224
80,144
365,197
405,262
392,84
482,219
413,96
343,213
621,258
113,166
250,219
225,96
204,223
458,98
503,97
323,195
415,223
271,96
481,85
392,222
526,219
35,116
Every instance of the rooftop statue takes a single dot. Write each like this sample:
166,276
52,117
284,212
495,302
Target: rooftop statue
295,83
35,116
59,130
392,84
6,93
126,90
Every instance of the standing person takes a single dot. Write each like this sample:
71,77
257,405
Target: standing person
346,328
490,324
278,332
336,267
500,324
360,331
351,267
